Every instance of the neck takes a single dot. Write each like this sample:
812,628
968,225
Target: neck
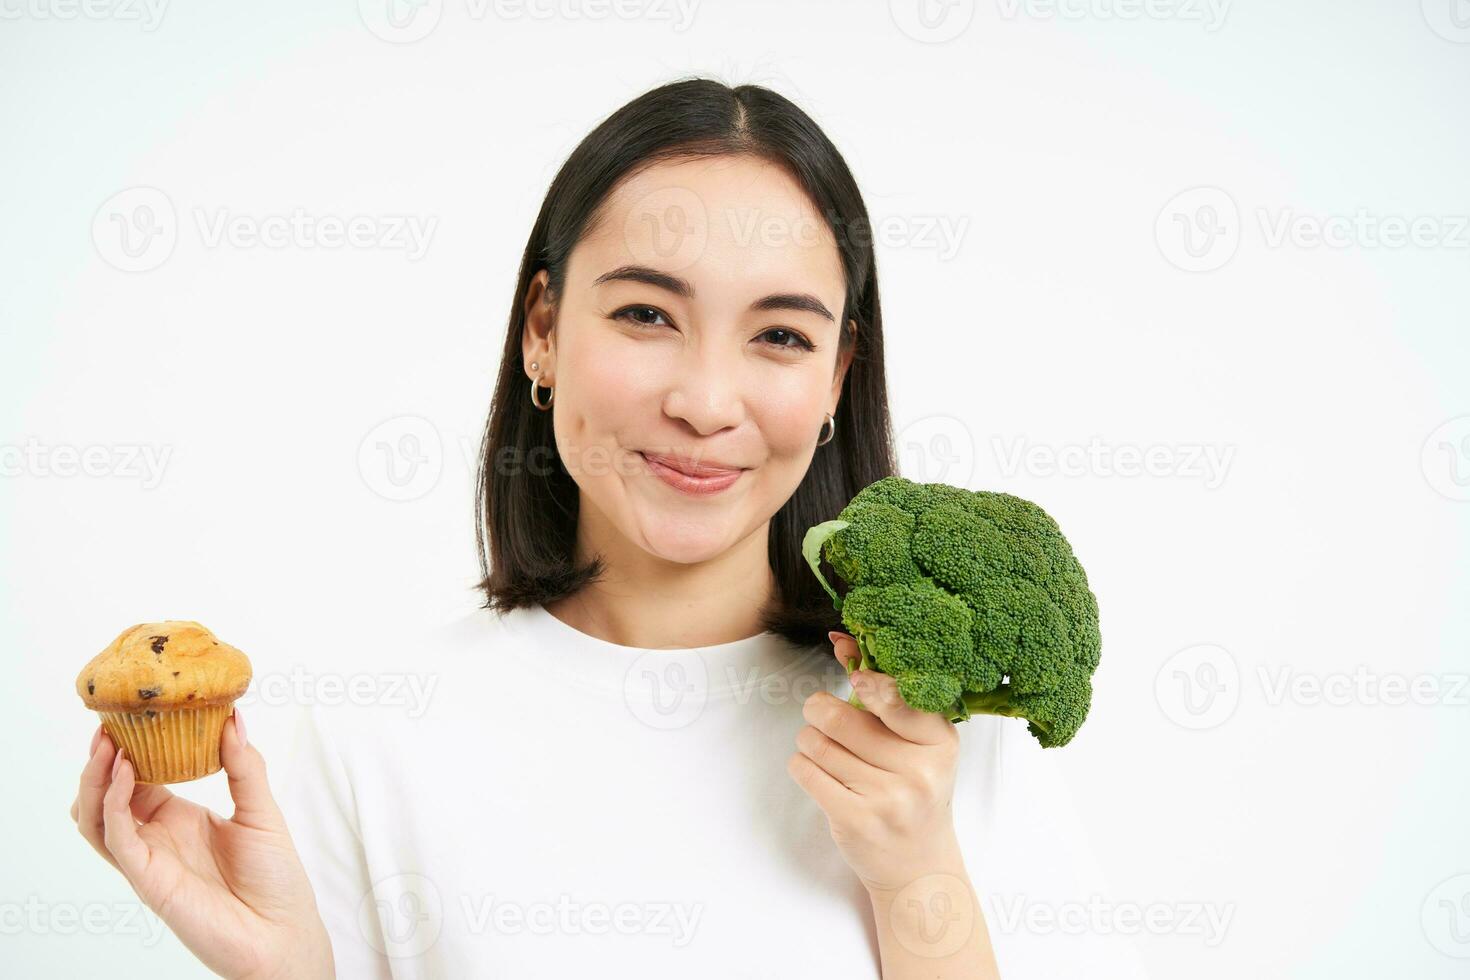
643,600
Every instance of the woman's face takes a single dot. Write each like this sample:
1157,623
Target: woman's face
699,323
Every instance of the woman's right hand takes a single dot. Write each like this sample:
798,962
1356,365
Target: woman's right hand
234,891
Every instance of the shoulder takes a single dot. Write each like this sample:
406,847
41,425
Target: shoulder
384,683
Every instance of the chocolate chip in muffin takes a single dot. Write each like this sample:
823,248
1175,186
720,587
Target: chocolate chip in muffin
158,642
176,673
90,688
149,692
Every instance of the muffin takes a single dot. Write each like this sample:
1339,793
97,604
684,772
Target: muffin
164,691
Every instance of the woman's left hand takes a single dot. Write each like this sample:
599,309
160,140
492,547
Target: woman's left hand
884,777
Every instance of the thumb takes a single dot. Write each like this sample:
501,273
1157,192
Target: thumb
245,766
880,695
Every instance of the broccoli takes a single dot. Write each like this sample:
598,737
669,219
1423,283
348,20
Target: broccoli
972,600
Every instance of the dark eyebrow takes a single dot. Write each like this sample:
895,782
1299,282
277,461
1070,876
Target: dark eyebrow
800,302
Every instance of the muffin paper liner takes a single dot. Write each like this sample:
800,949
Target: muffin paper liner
169,745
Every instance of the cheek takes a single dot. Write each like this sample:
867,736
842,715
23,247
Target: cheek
787,410
610,378
606,390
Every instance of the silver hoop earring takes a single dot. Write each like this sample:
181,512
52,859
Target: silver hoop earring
829,421
536,383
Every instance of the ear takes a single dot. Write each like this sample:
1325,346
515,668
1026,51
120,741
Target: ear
844,361
537,342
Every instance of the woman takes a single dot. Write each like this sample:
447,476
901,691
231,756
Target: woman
641,762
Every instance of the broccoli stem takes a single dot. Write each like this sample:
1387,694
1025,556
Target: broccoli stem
865,662
998,702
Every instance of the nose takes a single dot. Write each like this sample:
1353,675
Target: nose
707,390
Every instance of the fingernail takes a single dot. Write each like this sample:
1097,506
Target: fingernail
117,763
834,636
96,741
240,728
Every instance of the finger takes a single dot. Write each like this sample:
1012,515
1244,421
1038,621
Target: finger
147,799
860,732
835,759
845,648
120,830
879,694
96,776
830,794
245,766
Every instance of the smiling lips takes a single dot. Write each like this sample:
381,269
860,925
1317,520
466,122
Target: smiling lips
690,477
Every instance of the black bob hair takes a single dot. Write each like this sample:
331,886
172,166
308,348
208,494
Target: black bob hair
526,515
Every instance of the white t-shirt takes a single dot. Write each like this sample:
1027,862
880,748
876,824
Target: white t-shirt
535,802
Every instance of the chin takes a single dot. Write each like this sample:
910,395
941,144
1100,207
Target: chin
685,541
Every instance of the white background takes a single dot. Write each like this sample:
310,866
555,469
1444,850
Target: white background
1036,170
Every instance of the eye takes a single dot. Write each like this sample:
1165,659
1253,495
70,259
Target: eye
628,313
796,340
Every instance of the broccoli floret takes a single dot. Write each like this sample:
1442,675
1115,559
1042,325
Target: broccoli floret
971,600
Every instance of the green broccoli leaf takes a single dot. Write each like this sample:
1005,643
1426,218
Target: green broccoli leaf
811,547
